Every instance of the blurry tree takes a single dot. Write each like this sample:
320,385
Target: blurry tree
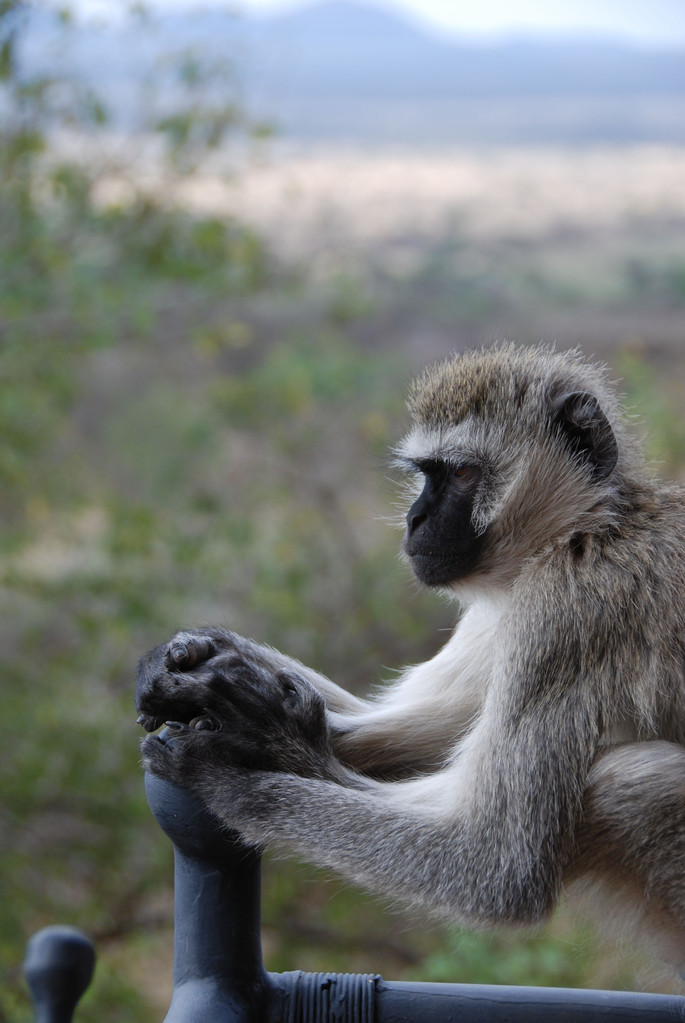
79,558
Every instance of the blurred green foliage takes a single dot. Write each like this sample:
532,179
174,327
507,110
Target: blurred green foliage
649,400
170,455
84,545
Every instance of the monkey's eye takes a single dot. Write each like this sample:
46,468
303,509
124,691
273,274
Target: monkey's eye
465,475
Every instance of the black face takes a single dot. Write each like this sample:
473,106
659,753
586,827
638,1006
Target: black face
440,539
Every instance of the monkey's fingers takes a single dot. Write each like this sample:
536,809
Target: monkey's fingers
203,722
186,651
149,722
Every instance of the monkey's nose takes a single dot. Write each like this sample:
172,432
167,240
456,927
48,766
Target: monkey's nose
414,520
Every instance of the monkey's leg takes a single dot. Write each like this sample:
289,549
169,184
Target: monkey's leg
448,841
258,719
631,842
414,724
189,673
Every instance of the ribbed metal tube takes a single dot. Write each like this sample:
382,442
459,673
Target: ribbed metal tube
331,998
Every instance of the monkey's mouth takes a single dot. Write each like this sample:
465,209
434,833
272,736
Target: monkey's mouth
432,571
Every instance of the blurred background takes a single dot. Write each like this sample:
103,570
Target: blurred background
229,236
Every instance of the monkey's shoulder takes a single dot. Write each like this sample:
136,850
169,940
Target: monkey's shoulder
645,528
626,578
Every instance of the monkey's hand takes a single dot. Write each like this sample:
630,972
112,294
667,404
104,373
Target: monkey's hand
223,707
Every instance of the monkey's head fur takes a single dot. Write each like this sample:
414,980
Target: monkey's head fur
545,432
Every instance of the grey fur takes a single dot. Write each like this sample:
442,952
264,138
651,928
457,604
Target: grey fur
543,748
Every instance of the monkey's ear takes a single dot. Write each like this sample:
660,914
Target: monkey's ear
586,429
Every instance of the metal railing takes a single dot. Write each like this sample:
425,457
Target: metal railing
219,976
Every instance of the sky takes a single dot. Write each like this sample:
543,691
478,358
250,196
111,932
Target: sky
642,21
638,18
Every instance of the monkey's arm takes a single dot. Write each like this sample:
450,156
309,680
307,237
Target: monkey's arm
484,840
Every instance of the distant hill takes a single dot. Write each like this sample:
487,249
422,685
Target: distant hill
342,48
349,71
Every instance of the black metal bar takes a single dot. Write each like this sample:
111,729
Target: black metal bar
218,971
219,977
58,968
305,998
397,1002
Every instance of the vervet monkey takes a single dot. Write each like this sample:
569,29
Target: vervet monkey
543,748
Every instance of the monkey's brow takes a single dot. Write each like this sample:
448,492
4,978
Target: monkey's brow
412,465
431,463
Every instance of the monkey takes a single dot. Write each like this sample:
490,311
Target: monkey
541,752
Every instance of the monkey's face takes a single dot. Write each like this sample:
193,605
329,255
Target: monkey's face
515,449
441,540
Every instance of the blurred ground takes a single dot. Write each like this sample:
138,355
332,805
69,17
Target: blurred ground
370,198
590,228
579,247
